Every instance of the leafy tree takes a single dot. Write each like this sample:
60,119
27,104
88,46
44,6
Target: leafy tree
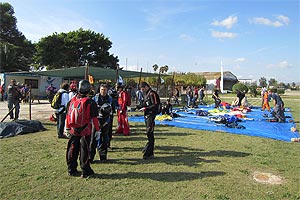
241,87
273,82
293,84
263,82
190,79
75,48
15,50
282,85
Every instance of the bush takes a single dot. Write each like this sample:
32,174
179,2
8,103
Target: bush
253,91
280,91
241,87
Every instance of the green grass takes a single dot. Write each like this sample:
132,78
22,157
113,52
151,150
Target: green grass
189,164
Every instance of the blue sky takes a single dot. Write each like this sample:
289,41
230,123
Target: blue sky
253,39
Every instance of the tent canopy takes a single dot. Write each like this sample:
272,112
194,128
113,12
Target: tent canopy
97,72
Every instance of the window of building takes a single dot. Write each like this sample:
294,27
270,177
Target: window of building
33,83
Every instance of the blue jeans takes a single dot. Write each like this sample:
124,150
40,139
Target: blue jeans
61,118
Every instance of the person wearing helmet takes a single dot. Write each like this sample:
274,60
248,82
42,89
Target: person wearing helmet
102,141
123,125
81,118
73,90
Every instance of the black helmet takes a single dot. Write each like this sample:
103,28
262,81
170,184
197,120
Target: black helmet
84,87
105,109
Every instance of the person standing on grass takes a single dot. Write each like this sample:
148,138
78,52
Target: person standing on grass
13,99
81,119
73,90
102,141
150,108
201,96
123,125
61,111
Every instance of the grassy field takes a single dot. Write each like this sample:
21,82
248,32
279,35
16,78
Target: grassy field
189,164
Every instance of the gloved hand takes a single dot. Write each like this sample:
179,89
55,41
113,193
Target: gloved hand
67,133
142,109
121,111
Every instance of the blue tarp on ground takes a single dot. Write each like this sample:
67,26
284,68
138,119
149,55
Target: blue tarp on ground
255,123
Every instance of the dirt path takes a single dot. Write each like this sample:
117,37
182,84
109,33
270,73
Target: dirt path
40,111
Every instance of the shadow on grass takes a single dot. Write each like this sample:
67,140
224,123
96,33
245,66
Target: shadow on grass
161,176
174,155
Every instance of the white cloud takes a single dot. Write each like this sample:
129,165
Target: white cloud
282,65
240,60
218,34
281,21
228,22
284,19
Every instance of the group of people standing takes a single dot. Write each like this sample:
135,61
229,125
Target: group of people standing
193,94
95,134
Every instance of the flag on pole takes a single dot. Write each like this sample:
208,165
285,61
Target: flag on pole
120,80
91,79
162,80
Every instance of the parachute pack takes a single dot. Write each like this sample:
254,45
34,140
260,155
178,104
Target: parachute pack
56,101
79,113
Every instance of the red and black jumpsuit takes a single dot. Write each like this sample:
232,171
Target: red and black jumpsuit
123,125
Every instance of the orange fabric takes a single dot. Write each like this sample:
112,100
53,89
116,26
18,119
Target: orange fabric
266,102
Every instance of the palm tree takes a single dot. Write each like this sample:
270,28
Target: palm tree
161,70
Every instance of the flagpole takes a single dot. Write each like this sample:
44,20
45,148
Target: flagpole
172,86
117,73
222,79
86,70
140,77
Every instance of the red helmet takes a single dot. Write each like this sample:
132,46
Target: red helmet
73,85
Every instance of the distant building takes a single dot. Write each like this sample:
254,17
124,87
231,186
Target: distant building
247,82
213,79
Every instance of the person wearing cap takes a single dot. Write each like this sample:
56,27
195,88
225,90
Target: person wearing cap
13,99
79,142
150,105
123,125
